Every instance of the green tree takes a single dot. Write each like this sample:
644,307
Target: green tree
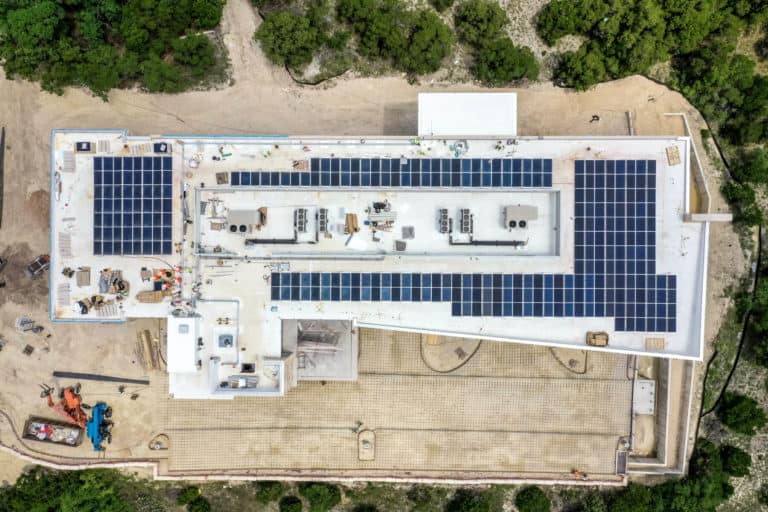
321,496
429,44
501,62
479,22
636,498
83,491
199,504
593,502
470,500
159,76
187,494
742,200
196,52
268,491
582,69
291,504
206,13
736,462
99,71
740,413
425,498
532,499
441,5
288,38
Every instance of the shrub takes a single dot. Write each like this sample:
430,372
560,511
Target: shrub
291,504
501,62
478,22
288,38
593,502
762,494
532,499
636,498
441,5
736,462
159,76
429,43
322,497
742,201
199,504
268,491
469,500
196,52
365,507
187,494
740,413
425,497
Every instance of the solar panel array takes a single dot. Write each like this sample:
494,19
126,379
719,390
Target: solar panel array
408,172
615,244
615,265
132,205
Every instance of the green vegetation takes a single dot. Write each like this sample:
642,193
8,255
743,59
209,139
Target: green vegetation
736,462
740,413
188,494
470,500
288,39
441,5
416,42
532,499
593,502
726,344
105,44
479,22
501,62
268,491
44,490
425,498
322,497
291,504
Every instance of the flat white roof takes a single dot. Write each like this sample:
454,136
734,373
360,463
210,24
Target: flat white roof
182,343
467,114
247,291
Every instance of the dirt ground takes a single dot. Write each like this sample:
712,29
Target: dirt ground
263,99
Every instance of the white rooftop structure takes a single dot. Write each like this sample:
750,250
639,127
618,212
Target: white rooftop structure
467,114
267,253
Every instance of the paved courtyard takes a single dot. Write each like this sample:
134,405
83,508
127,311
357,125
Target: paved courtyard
510,410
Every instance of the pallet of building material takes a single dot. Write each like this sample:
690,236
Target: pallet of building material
152,296
147,350
350,223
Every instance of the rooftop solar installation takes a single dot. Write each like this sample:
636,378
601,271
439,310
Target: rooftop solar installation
132,205
408,172
615,265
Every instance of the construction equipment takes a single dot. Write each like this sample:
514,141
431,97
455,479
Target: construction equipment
52,431
99,428
38,266
70,407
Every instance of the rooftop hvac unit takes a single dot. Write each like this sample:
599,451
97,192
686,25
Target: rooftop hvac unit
300,219
322,220
465,222
443,220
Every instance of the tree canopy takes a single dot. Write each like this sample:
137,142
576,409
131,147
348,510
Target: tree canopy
501,62
104,44
288,38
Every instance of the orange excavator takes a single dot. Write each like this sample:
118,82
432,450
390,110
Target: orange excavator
70,406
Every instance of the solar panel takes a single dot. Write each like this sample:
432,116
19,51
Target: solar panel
132,205
615,262
407,173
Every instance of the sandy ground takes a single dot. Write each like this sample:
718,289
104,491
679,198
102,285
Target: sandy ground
263,99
